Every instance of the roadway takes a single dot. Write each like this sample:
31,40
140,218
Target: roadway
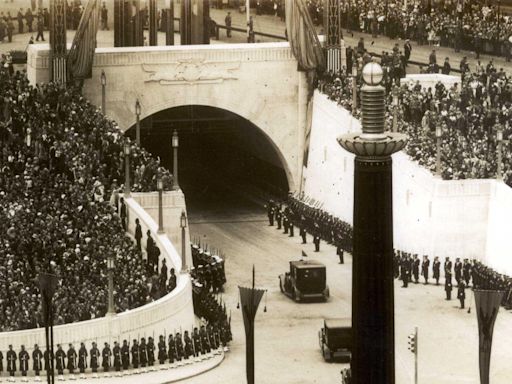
287,349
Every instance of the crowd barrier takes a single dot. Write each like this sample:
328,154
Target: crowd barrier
455,218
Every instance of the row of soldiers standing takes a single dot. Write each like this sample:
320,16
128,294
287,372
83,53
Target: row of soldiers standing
208,269
200,341
299,211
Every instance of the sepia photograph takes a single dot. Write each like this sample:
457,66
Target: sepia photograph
256,191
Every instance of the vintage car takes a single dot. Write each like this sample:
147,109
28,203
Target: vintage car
336,340
306,280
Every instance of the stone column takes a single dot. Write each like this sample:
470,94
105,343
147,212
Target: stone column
373,351
153,23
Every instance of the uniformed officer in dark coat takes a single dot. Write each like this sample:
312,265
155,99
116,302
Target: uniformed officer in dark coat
135,354
105,357
37,357
60,358
11,361
278,217
205,342
189,346
95,357
448,269
302,230
117,356
151,351
270,212
179,346
461,293
406,270
48,358
172,349
1,362
286,222
458,270
196,340
125,355
172,281
24,358
138,234
123,213
425,264
143,353
416,269
162,350
448,288
82,358
436,269
466,271
71,359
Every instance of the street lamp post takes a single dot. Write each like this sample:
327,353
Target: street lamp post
183,225
439,136
175,145
137,126
160,187
499,138
110,268
395,109
354,87
127,188
103,80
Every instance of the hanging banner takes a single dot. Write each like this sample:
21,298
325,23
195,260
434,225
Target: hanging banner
487,304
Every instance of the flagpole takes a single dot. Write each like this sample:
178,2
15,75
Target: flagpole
248,14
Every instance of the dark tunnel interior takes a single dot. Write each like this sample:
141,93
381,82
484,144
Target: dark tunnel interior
224,161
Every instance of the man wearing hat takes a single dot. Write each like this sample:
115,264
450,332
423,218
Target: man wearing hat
407,51
151,352
60,357
125,355
135,354
71,359
105,355
24,357
162,350
82,358
37,356
11,361
95,356
117,356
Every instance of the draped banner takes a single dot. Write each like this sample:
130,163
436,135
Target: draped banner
307,49
81,54
250,300
487,304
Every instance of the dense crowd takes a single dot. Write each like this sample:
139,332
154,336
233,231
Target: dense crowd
470,115
175,348
59,164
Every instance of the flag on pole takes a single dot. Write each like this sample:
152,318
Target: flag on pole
81,54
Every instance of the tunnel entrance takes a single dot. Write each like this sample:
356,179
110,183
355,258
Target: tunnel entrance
225,162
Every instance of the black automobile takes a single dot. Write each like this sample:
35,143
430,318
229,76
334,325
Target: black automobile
336,340
306,280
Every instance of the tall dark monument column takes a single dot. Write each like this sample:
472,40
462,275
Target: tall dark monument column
58,42
373,351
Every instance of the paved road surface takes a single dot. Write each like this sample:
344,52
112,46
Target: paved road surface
287,348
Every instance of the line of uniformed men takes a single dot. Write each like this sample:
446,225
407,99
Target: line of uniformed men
201,341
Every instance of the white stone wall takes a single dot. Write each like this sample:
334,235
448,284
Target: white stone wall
165,315
258,82
456,218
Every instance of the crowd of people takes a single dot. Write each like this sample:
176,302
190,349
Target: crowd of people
470,114
59,166
139,355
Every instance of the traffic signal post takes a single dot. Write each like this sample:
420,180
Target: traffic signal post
413,347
